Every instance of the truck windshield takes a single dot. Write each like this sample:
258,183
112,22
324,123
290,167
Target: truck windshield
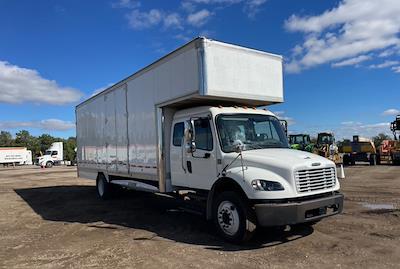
254,131
48,152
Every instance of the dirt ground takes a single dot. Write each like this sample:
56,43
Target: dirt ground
49,218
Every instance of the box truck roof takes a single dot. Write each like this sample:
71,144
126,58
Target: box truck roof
209,72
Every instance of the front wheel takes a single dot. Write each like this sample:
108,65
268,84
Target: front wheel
49,165
233,218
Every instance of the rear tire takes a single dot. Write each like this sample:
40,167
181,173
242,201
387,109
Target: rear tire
235,221
104,189
49,165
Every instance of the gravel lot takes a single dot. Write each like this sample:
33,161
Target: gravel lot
51,219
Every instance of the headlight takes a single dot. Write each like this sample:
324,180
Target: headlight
265,185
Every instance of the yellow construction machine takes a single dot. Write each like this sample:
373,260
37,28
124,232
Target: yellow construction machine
359,150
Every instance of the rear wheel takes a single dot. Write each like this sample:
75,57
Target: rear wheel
233,218
104,189
49,165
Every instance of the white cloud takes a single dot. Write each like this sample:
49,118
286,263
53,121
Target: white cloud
350,123
389,52
384,64
391,112
48,124
141,20
196,12
353,28
56,124
173,20
199,18
20,85
348,129
352,61
252,7
282,116
188,6
396,69
126,4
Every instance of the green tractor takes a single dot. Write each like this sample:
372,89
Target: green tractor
301,142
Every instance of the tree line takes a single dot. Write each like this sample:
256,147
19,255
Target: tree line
38,144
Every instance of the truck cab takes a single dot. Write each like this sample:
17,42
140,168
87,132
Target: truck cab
243,157
53,155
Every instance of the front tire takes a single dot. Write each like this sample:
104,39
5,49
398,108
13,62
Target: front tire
49,165
234,219
104,189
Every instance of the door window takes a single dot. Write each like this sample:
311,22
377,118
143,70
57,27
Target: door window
203,135
178,134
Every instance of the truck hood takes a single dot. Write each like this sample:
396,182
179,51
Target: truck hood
281,161
286,158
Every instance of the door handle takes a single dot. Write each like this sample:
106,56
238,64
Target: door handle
189,166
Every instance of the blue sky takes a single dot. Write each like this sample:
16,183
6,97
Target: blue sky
342,58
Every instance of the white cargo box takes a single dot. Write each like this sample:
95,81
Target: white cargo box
120,130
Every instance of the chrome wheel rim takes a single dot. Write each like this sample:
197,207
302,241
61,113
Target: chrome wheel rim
228,218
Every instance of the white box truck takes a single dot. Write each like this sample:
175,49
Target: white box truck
54,155
188,125
15,156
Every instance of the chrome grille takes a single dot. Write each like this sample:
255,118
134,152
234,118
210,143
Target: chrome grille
315,179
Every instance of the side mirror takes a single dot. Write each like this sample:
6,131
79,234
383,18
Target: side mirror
284,124
189,137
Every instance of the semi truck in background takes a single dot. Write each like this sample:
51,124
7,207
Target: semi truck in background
15,156
54,155
188,126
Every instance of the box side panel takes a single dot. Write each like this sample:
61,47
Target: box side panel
100,141
121,130
87,137
236,72
175,78
110,132
142,127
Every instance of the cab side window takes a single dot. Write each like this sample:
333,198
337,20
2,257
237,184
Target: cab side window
178,134
203,135
54,153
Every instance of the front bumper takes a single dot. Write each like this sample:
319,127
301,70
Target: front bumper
276,214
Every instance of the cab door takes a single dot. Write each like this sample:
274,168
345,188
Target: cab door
196,170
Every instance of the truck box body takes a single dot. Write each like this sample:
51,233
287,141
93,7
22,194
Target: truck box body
15,155
119,129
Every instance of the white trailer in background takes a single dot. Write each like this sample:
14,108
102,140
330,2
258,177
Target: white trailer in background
188,125
52,156
15,156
